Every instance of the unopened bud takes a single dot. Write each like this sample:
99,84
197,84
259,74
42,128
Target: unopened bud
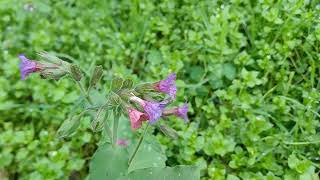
116,84
143,88
49,57
169,132
96,76
55,73
69,126
75,72
127,84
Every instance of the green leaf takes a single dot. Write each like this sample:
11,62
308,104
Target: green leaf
69,126
124,129
149,155
165,173
196,73
300,166
108,162
5,159
232,177
155,57
229,71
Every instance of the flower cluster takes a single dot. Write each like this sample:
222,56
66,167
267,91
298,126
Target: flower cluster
147,110
153,110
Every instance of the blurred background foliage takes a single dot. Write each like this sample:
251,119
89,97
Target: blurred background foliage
250,70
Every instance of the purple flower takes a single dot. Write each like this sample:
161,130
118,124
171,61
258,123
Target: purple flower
167,86
27,66
153,109
181,112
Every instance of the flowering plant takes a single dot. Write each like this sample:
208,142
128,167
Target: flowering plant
120,155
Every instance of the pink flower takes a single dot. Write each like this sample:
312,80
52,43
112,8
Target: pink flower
136,117
167,86
122,142
153,109
181,112
28,66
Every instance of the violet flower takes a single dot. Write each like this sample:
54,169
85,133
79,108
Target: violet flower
167,86
181,112
153,109
28,66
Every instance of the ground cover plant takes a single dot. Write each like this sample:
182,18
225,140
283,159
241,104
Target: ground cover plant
249,70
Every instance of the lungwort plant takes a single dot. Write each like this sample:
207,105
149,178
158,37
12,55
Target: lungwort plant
124,152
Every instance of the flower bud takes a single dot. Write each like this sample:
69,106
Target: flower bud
53,73
75,72
47,70
96,76
169,132
49,57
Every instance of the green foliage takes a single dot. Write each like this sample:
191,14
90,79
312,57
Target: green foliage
149,155
109,162
249,70
112,163
170,173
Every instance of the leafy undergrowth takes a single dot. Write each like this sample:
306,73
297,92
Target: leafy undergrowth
249,69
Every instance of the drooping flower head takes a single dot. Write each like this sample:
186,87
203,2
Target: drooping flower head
122,142
136,117
152,109
28,66
181,112
167,86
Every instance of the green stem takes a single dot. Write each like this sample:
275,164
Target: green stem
138,145
86,95
115,126
107,127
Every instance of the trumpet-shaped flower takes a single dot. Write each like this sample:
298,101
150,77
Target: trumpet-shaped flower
152,109
136,117
181,112
28,66
167,85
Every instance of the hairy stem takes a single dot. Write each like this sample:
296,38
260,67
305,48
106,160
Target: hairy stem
85,94
138,145
107,128
115,127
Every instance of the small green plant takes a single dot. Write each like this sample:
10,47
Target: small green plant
121,154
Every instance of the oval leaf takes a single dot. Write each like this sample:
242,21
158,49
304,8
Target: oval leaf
108,162
165,173
149,155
